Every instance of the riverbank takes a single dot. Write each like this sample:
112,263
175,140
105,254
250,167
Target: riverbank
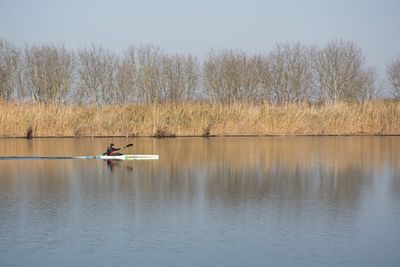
200,119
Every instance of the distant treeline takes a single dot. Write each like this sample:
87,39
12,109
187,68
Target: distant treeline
289,73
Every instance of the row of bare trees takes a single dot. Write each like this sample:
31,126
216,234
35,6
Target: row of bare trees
142,74
52,74
288,73
291,73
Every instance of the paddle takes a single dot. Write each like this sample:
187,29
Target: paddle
128,145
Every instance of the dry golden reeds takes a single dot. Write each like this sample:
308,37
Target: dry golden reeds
200,119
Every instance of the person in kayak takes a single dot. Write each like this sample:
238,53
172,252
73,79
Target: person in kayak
111,149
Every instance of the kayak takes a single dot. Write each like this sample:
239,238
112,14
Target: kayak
129,157
117,157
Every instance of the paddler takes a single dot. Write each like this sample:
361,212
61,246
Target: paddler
111,149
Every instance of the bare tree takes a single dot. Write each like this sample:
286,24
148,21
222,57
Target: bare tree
49,72
149,83
393,72
192,76
211,78
251,82
97,71
341,73
179,77
263,72
127,77
368,85
290,70
231,76
172,78
9,69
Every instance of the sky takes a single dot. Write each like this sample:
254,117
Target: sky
179,26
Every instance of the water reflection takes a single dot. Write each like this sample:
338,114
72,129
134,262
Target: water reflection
266,192
229,171
112,163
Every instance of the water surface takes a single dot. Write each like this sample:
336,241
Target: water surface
273,201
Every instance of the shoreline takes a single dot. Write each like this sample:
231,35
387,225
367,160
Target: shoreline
200,136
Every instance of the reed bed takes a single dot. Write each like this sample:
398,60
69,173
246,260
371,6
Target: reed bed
200,119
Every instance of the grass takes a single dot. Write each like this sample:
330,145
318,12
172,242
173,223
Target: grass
200,119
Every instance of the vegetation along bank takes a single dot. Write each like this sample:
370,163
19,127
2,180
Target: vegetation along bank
200,119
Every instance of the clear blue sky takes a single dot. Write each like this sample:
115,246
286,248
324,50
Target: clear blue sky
196,26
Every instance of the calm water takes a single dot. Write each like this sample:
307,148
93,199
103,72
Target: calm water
278,201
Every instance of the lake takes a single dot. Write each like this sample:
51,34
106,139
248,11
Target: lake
251,201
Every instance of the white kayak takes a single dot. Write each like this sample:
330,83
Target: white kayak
129,157
119,157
